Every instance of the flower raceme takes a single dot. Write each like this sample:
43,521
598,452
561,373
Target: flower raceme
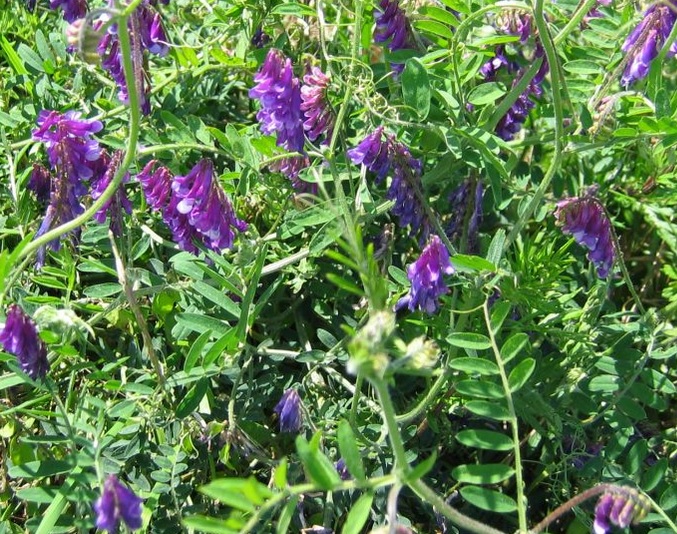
389,156
195,207
119,200
20,337
315,105
621,507
117,504
288,410
585,219
426,275
73,156
646,40
393,25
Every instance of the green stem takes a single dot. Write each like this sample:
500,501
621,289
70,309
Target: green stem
551,56
130,150
521,508
391,424
428,495
185,146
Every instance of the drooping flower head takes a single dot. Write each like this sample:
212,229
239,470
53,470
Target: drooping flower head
72,9
465,207
585,219
620,506
315,105
288,410
194,206
342,469
73,155
512,121
119,201
392,24
646,40
383,156
208,208
279,93
145,33
20,337
117,504
426,275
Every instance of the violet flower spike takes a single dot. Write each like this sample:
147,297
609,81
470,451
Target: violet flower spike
585,219
119,201
288,410
72,9
20,337
73,156
315,105
426,275
646,40
373,153
392,24
621,507
117,504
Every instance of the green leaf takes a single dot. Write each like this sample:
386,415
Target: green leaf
57,507
358,515
196,350
422,468
604,383
484,94
37,469
287,515
318,467
210,525
654,475
495,252
499,313
416,87
513,346
482,473
202,323
349,450
434,27
293,8
521,374
488,499
469,340
475,388
474,365
192,399
240,493
463,262
485,439
492,410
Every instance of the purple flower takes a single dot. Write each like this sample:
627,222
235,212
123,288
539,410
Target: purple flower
72,9
514,22
342,469
289,412
383,156
73,155
260,38
585,219
118,201
462,212
145,33
207,207
156,185
620,506
512,121
117,503
646,40
40,182
392,23
315,105
20,337
279,93
426,277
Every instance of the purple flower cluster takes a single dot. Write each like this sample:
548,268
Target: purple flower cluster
426,275
195,207
288,109
392,24
621,507
512,121
647,39
145,33
119,200
20,337
72,9
73,156
315,105
389,156
515,22
288,411
585,219
463,211
117,504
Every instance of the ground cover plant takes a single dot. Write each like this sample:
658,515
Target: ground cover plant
394,266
